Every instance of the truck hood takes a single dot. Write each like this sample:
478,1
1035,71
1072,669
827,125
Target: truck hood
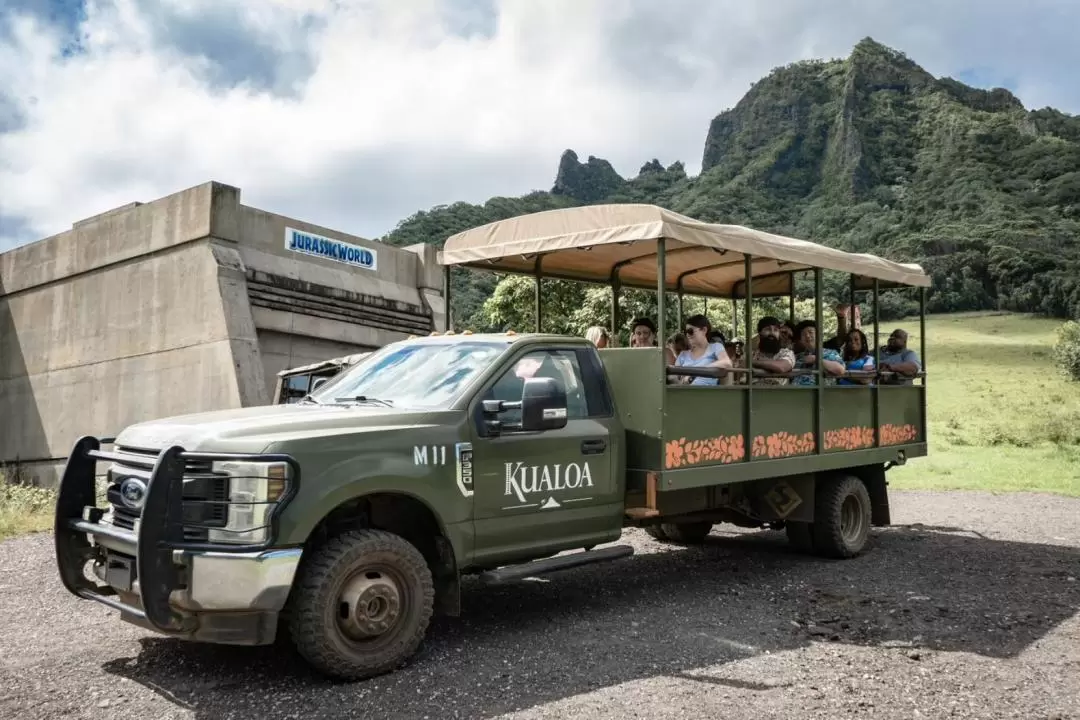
262,425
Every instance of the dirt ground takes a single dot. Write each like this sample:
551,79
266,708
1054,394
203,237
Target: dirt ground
967,607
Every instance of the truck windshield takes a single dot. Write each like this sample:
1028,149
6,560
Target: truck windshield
415,375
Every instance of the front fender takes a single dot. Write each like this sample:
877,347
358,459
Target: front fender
331,479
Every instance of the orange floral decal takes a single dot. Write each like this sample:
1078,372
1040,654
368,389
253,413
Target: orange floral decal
724,449
782,444
849,438
898,434
731,448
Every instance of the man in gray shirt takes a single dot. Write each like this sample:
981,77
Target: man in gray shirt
897,358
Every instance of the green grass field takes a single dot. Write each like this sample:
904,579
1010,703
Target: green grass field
1001,417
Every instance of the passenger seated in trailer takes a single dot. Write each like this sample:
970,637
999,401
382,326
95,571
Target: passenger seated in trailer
771,356
735,350
643,334
598,336
897,358
836,342
805,358
787,335
677,343
857,358
701,353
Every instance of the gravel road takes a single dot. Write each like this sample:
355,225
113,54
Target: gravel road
967,607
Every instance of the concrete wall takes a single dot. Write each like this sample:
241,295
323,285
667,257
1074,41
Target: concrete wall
185,304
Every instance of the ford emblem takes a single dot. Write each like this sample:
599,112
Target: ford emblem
133,492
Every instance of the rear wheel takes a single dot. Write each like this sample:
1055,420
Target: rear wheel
692,533
362,604
842,510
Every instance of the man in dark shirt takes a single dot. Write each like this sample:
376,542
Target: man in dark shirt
897,358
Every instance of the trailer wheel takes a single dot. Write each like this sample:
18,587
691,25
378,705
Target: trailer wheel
842,511
361,605
800,535
692,533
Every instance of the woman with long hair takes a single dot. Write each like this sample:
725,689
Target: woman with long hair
700,352
857,358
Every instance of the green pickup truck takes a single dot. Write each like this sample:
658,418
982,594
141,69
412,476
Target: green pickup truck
348,518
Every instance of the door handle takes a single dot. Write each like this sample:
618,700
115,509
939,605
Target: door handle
593,447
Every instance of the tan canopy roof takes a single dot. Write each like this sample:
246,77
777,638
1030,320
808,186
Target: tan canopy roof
595,243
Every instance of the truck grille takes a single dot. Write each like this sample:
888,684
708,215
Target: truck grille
205,495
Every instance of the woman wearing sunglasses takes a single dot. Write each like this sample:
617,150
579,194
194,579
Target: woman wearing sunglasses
701,353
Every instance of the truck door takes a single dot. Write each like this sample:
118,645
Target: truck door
537,492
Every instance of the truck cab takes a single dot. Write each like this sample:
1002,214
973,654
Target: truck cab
451,454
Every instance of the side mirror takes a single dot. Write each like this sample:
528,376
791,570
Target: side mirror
318,383
543,404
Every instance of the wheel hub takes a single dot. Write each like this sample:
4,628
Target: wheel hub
368,605
851,519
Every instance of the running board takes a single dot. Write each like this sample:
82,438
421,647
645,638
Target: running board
548,565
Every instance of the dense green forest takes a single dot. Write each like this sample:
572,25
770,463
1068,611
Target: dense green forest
870,153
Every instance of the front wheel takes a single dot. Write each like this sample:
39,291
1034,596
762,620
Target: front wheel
842,512
362,604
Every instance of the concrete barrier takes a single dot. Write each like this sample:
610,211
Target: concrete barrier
188,303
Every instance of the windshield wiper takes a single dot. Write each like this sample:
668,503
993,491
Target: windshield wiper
361,399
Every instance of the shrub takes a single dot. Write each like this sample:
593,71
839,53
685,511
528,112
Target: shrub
1067,350
23,508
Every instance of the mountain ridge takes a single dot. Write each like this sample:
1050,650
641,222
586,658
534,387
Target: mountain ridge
868,153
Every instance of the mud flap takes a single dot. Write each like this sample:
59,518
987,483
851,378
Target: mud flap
878,487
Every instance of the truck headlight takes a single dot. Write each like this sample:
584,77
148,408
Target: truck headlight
255,488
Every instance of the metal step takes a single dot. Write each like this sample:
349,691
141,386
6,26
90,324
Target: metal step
548,565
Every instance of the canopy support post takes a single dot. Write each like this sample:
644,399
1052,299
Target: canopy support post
446,300
735,320
537,300
922,357
791,297
748,436
819,370
851,302
661,325
615,287
922,330
877,365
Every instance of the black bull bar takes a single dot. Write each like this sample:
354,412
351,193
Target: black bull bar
159,534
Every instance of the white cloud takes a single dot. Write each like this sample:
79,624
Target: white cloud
356,113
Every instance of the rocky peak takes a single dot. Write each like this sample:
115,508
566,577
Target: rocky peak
586,182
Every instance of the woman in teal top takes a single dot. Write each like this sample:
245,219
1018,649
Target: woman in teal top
701,353
805,346
857,358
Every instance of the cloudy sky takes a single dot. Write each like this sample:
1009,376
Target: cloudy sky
356,113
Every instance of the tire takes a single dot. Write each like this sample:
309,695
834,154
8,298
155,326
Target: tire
656,532
687,533
842,513
800,536
371,573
